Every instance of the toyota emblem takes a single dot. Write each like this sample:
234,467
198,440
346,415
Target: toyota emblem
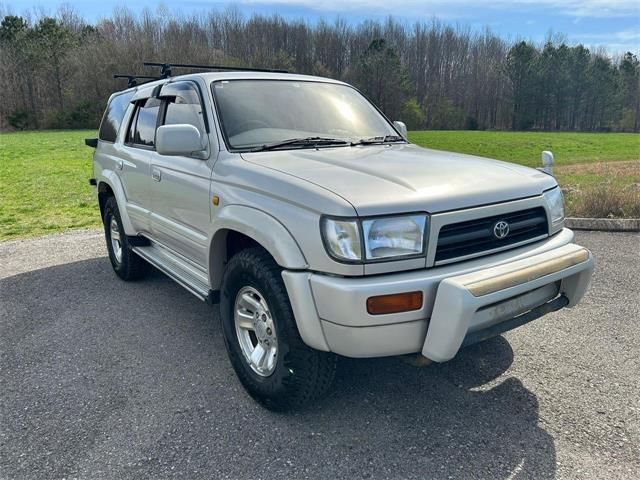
500,229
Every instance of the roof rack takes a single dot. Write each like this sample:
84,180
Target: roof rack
133,79
165,68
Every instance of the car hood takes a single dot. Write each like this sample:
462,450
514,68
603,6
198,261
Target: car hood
381,179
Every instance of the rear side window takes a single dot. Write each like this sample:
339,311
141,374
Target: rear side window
113,116
142,131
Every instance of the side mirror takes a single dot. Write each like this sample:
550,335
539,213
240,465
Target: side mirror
547,162
178,140
402,128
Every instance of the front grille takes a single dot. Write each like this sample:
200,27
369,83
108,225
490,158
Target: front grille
476,236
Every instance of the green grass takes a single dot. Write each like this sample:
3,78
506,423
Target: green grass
44,183
525,147
44,188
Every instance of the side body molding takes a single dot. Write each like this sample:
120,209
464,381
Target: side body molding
261,227
110,178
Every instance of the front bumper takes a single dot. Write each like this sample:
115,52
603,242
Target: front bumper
463,302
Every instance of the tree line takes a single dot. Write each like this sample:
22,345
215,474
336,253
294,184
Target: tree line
57,71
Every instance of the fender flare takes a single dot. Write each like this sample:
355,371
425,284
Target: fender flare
110,178
258,225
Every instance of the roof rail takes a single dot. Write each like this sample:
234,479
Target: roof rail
133,79
165,68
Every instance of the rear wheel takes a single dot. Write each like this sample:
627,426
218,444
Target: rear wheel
262,339
126,264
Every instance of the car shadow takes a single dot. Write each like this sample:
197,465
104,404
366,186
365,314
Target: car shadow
466,418
132,380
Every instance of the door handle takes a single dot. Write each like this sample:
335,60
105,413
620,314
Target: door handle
156,175
119,164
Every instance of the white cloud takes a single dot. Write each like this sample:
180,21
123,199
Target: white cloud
623,35
627,40
631,34
588,8
571,8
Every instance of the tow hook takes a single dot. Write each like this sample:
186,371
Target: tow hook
416,360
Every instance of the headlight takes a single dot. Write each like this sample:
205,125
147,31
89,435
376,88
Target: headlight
342,239
382,238
555,202
393,237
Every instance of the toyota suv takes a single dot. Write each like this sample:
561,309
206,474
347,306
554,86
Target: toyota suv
295,205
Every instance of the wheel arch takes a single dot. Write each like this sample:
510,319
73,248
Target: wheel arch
238,227
104,192
109,185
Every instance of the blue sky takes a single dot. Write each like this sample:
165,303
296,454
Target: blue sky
614,24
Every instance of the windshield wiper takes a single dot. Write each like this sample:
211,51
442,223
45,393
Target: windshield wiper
304,142
379,140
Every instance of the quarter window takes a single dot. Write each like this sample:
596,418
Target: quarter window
113,116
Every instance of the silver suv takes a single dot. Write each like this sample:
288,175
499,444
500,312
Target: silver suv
297,206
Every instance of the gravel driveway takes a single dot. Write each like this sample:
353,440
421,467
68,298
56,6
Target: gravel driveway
102,379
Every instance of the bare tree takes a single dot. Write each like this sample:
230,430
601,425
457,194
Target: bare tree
60,68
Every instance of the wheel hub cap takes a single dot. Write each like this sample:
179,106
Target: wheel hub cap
116,244
260,329
256,331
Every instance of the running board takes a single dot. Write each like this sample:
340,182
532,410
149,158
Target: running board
187,275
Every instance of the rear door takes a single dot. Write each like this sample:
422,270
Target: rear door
135,160
180,205
113,156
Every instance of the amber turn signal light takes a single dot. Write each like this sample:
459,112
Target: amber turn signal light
395,303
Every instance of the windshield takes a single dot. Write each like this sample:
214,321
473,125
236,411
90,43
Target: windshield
254,113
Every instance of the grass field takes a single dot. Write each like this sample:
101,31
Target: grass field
44,183
525,147
44,189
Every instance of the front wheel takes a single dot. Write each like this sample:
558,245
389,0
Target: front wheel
262,339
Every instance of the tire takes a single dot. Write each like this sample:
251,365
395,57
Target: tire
126,264
297,375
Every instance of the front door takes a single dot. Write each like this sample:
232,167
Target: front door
180,204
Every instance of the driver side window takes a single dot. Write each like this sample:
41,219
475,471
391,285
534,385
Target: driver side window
185,107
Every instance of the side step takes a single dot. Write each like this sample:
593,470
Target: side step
183,272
